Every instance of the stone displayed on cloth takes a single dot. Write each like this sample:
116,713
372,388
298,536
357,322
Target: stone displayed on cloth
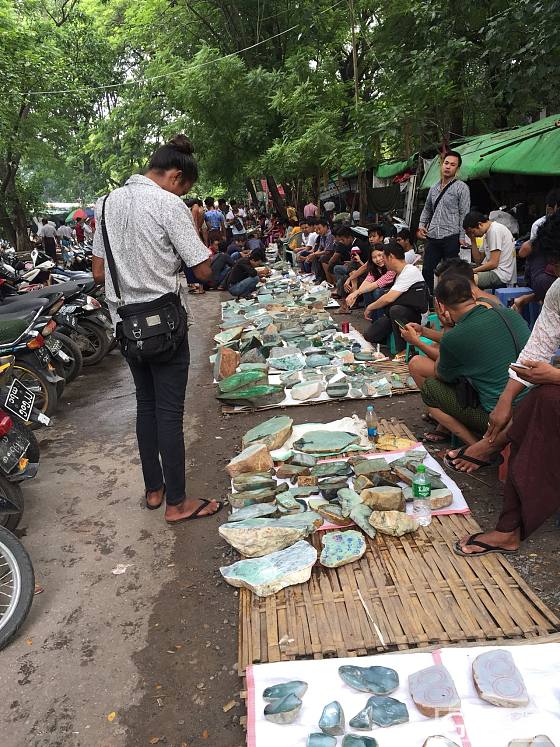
290,378
440,499
439,741
348,498
315,503
267,575
226,363
304,460
306,390
498,681
356,740
338,390
283,710
360,515
332,719
361,483
325,442
270,335
281,454
287,504
332,469
254,355
255,458
254,538
255,511
307,480
311,375
290,334
228,335
295,687
309,519
433,691
316,360
253,481
245,498
252,367
403,473
286,359
381,711
300,492
288,471
364,355
333,513
394,523
383,499
340,548
370,466
272,433
375,680
320,740
255,391
539,741
388,442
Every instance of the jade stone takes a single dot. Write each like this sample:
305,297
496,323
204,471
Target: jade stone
370,466
290,378
253,481
306,390
253,367
274,692
286,359
361,483
326,442
498,681
364,355
338,390
255,511
340,548
348,500
304,460
320,740
336,482
284,710
381,711
439,741
287,503
273,433
228,335
360,516
539,741
433,691
376,680
241,379
255,538
255,355
356,740
315,361
251,392
245,498
332,469
332,719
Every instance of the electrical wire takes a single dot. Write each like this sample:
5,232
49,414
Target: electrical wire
114,86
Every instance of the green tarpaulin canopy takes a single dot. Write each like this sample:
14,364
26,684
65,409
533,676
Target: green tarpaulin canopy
533,150
388,169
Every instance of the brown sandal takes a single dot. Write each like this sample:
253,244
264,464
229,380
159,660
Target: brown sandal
196,514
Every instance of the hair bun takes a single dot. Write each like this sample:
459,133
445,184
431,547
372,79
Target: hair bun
182,144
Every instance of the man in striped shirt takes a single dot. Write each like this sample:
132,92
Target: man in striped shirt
441,221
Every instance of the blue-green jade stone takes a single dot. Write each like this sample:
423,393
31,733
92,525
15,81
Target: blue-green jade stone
376,680
320,740
381,711
283,710
357,740
332,719
274,692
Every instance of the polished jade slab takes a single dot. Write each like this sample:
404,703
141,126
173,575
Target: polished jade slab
295,687
332,469
332,719
325,442
376,680
340,548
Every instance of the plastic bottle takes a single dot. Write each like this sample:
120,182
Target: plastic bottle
371,422
421,492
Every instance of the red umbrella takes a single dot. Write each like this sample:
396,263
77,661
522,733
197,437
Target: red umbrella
75,214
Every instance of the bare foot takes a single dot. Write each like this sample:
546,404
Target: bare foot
505,540
482,450
188,508
154,498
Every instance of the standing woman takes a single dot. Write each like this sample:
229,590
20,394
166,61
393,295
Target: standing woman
145,230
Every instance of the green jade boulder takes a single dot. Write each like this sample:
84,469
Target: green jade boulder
273,433
375,680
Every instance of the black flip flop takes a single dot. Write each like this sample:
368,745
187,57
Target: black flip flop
487,549
196,514
479,462
159,505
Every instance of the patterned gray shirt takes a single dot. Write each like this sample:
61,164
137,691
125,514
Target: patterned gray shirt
451,210
150,231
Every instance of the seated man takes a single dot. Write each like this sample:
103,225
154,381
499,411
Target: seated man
405,302
308,238
342,262
404,238
324,251
244,277
221,264
497,264
237,246
473,360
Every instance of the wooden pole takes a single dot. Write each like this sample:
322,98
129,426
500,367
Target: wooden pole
362,182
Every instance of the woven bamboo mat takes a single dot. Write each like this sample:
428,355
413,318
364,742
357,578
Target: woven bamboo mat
407,592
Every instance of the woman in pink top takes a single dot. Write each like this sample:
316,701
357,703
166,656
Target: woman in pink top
378,279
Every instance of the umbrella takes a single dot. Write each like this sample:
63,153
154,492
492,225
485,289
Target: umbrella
75,214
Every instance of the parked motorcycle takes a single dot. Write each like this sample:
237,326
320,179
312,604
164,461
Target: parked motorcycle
17,585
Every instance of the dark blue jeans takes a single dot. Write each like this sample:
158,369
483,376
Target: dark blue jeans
244,287
160,404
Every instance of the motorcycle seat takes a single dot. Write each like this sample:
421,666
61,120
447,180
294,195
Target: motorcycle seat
11,330
22,304
52,291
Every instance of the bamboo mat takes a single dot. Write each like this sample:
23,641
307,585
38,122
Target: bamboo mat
407,592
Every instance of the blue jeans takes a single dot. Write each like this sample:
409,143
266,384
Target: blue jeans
244,287
373,296
341,273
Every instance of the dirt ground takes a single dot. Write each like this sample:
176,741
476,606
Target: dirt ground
148,656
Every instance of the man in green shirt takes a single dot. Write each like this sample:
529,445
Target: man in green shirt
479,348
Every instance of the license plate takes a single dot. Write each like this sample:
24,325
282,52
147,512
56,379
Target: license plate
12,447
43,356
20,400
67,320
53,344
68,309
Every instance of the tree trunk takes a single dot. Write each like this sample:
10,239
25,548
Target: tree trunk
276,198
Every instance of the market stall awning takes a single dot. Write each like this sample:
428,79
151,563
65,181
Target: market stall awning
533,150
388,169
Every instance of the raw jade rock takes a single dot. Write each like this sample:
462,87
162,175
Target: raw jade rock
289,471
332,469
287,504
286,359
256,511
347,498
439,741
245,498
433,692
440,499
375,680
309,519
228,335
284,710
304,460
326,442
281,454
226,363
253,481
267,575
254,355
383,499
306,390
254,538
252,367
361,483
356,740
332,719
340,548
539,741
315,503
290,378
272,433
279,691
320,740
360,515
255,391
333,514
370,466
498,681
381,711
255,458
338,390
394,523
316,360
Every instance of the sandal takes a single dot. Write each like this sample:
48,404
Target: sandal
486,549
399,358
435,437
154,508
473,460
196,514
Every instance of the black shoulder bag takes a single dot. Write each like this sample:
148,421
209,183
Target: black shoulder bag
152,331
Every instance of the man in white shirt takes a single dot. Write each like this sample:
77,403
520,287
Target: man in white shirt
404,303
64,234
47,234
236,219
497,263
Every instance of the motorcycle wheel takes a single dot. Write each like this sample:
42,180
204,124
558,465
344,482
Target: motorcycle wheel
18,585
46,397
73,368
13,493
93,342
